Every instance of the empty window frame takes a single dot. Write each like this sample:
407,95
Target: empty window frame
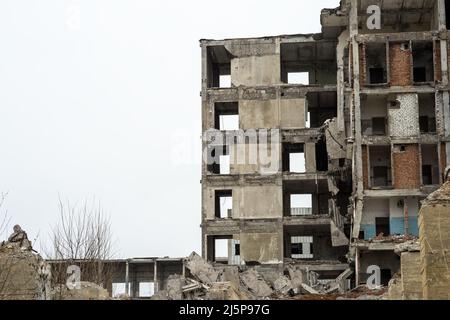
376,63
427,113
146,289
380,166
220,160
226,116
447,14
379,126
302,247
322,106
321,156
382,226
223,204
119,289
235,252
294,158
374,115
298,78
219,67
301,204
423,62
309,63
430,164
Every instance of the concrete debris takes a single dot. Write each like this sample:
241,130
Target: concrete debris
254,282
175,284
226,291
83,291
19,238
24,275
408,246
201,269
309,289
283,285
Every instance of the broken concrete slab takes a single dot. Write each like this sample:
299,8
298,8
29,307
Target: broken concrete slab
83,291
201,269
283,285
174,289
226,291
254,282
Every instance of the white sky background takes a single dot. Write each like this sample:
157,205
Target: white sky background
92,107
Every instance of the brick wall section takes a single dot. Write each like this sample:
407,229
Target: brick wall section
437,61
362,64
400,65
406,166
365,167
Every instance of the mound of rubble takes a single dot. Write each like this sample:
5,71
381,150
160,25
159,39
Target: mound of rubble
23,274
203,281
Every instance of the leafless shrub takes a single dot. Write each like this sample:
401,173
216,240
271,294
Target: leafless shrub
82,237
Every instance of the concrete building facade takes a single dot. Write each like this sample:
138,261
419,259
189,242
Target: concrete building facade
318,148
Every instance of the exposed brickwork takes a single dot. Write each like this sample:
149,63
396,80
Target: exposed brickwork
362,64
400,65
365,164
406,166
437,61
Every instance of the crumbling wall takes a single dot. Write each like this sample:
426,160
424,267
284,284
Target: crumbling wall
400,56
407,167
434,224
23,274
261,247
411,278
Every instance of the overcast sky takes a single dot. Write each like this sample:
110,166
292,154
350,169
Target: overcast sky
100,98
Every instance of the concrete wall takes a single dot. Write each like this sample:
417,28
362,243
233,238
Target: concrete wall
293,112
411,277
285,113
261,247
256,70
260,158
260,202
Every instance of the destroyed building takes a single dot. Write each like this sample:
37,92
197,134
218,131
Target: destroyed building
319,148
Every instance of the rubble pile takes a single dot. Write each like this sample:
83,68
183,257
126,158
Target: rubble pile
24,275
205,282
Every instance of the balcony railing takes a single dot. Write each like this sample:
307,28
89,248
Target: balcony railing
301,211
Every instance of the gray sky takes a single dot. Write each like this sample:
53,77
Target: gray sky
100,98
